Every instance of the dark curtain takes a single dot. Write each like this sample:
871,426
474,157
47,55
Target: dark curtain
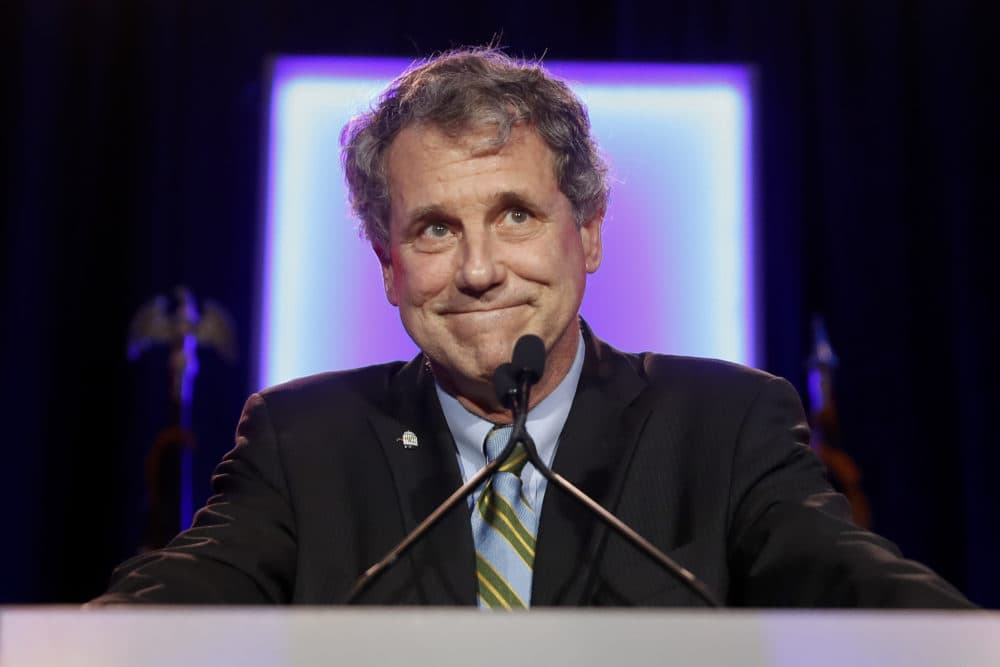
131,162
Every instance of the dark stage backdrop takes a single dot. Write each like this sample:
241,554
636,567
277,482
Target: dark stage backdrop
131,159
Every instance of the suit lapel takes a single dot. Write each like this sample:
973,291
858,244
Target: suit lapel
595,448
425,474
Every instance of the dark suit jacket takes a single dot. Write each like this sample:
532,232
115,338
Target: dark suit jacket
706,459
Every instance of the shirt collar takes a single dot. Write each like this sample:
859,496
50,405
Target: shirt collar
545,420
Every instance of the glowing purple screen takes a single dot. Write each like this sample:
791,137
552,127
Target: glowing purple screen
677,275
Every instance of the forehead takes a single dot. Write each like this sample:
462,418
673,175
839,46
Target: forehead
429,146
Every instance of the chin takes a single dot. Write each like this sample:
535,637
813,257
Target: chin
495,352
484,366
476,363
473,357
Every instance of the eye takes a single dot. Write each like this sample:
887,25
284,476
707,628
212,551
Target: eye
434,237
436,230
518,216
518,223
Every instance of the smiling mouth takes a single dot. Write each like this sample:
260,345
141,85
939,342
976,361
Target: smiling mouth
483,311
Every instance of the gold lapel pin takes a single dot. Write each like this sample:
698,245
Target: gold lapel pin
409,440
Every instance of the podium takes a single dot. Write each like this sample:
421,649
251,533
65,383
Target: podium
416,637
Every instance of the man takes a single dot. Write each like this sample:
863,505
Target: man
483,196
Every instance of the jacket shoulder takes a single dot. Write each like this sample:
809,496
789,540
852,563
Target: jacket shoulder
697,371
683,380
354,389
698,377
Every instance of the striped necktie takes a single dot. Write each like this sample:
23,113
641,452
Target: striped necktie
504,527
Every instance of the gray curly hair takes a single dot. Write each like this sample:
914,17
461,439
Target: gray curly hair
457,92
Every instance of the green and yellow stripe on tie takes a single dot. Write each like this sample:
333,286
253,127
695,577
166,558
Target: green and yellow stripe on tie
500,515
504,527
494,589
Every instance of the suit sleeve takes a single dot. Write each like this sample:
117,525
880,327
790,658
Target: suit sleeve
792,542
241,548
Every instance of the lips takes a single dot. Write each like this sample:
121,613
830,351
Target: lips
483,311
478,321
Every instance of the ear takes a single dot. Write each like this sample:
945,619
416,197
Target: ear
388,283
590,235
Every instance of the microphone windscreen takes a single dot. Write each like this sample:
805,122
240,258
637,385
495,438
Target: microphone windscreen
529,357
505,384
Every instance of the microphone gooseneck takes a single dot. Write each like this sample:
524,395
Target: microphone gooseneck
513,382
372,574
510,381
524,371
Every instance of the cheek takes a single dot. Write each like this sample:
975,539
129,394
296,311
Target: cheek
419,281
554,260
568,253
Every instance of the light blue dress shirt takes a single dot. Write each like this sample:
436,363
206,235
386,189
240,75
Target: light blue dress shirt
545,423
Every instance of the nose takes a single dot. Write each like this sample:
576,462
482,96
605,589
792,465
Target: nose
480,266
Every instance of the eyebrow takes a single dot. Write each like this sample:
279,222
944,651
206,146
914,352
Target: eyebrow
501,201
511,199
428,213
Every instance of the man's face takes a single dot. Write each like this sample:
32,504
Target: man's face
483,249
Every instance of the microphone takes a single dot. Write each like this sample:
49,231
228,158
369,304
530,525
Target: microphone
526,368
527,365
513,383
510,380
528,360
